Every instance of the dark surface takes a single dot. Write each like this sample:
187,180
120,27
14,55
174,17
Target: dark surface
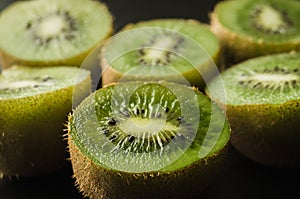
241,177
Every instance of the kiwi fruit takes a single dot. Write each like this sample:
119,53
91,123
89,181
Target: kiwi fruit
147,140
251,28
34,104
56,32
178,50
263,108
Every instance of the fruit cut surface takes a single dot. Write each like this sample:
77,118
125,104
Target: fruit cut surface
177,50
159,127
273,21
53,32
265,80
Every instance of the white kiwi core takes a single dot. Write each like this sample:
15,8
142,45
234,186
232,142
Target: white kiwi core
52,26
141,127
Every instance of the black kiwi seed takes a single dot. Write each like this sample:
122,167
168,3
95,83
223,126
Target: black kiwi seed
257,85
112,122
105,131
112,137
167,110
283,70
47,78
28,25
241,82
180,119
276,69
131,138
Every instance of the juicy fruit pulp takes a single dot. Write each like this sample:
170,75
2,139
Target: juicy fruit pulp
52,32
175,50
251,28
135,130
34,104
262,105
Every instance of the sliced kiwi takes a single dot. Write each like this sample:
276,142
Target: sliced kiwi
34,104
251,28
263,107
146,140
56,32
177,50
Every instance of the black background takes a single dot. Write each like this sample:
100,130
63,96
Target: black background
241,178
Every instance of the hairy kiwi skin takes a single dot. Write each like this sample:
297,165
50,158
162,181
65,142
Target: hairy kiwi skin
111,75
238,47
10,59
31,131
267,134
99,183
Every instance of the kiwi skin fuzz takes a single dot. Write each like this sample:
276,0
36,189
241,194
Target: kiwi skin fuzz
267,134
98,183
31,138
236,47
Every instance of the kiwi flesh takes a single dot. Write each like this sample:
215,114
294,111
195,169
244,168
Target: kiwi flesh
57,32
263,108
34,104
146,140
176,50
251,28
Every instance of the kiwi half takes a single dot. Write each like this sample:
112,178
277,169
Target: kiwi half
176,50
56,32
146,140
34,104
263,108
250,28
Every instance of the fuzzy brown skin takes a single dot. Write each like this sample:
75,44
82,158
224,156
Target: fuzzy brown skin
268,134
100,183
237,47
31,132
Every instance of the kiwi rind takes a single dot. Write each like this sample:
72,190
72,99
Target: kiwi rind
70,57
198,76
238,46
95,180
266,133
32,127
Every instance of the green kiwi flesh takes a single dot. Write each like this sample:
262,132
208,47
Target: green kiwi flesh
176,50
34,104
57,32
263,108
146,140
251,28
